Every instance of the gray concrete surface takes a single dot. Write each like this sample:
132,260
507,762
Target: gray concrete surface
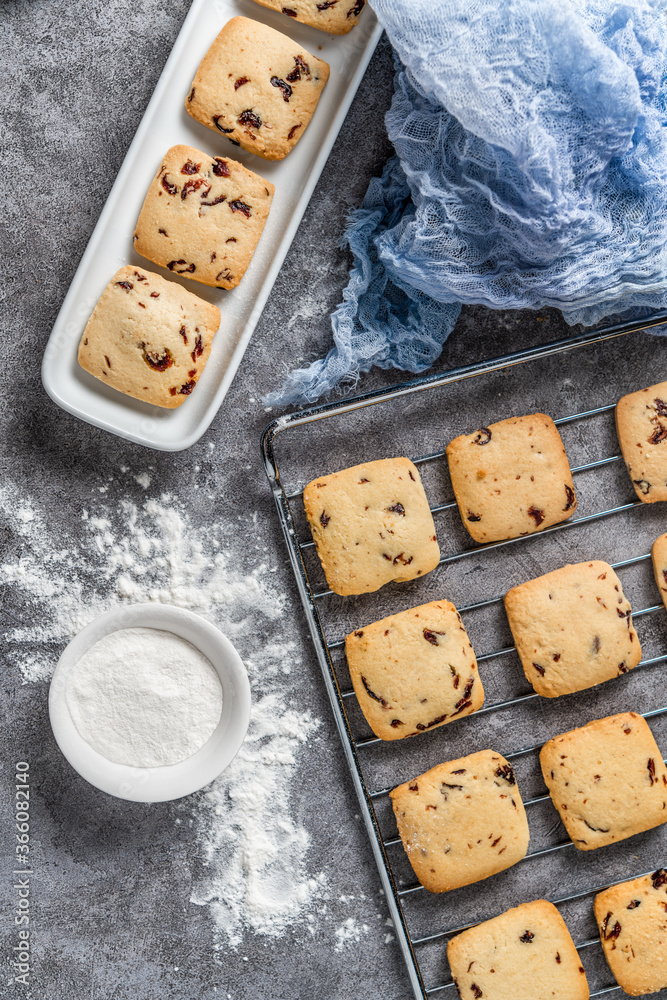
112,916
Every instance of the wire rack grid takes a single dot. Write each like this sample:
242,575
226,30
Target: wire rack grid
387,847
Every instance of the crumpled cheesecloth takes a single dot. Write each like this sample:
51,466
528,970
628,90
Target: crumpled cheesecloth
530,171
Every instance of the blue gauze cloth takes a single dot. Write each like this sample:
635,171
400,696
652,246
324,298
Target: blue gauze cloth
530,171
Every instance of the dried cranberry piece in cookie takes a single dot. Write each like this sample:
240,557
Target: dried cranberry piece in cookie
250,118
283,87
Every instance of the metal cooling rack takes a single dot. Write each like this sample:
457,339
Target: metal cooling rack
385,848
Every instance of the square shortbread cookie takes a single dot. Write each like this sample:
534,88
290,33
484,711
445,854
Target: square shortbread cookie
641,424
371,524
148,337
203,217
257,87
462,821
511,478
414,671
659,556
524,954
335,16
572,628
632,918
607,780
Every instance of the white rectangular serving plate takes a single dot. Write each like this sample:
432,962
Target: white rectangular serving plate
164,124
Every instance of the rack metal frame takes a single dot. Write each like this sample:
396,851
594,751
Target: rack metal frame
309,597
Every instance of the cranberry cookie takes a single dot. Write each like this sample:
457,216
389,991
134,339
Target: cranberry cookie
371,524
511,478
632,918
641,423
462,821
257,87
607,780
414,671
148,337
335,16
203,217
659,557
572,628
524,954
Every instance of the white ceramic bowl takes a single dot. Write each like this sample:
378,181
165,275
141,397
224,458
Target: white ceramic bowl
156,784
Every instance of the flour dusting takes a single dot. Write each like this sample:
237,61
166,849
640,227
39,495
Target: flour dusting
130,554
254,886
255,875
350,932
144,697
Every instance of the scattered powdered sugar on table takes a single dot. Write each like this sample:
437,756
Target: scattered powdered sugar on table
256,875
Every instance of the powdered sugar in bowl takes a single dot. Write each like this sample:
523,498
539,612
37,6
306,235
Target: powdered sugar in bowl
213,653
